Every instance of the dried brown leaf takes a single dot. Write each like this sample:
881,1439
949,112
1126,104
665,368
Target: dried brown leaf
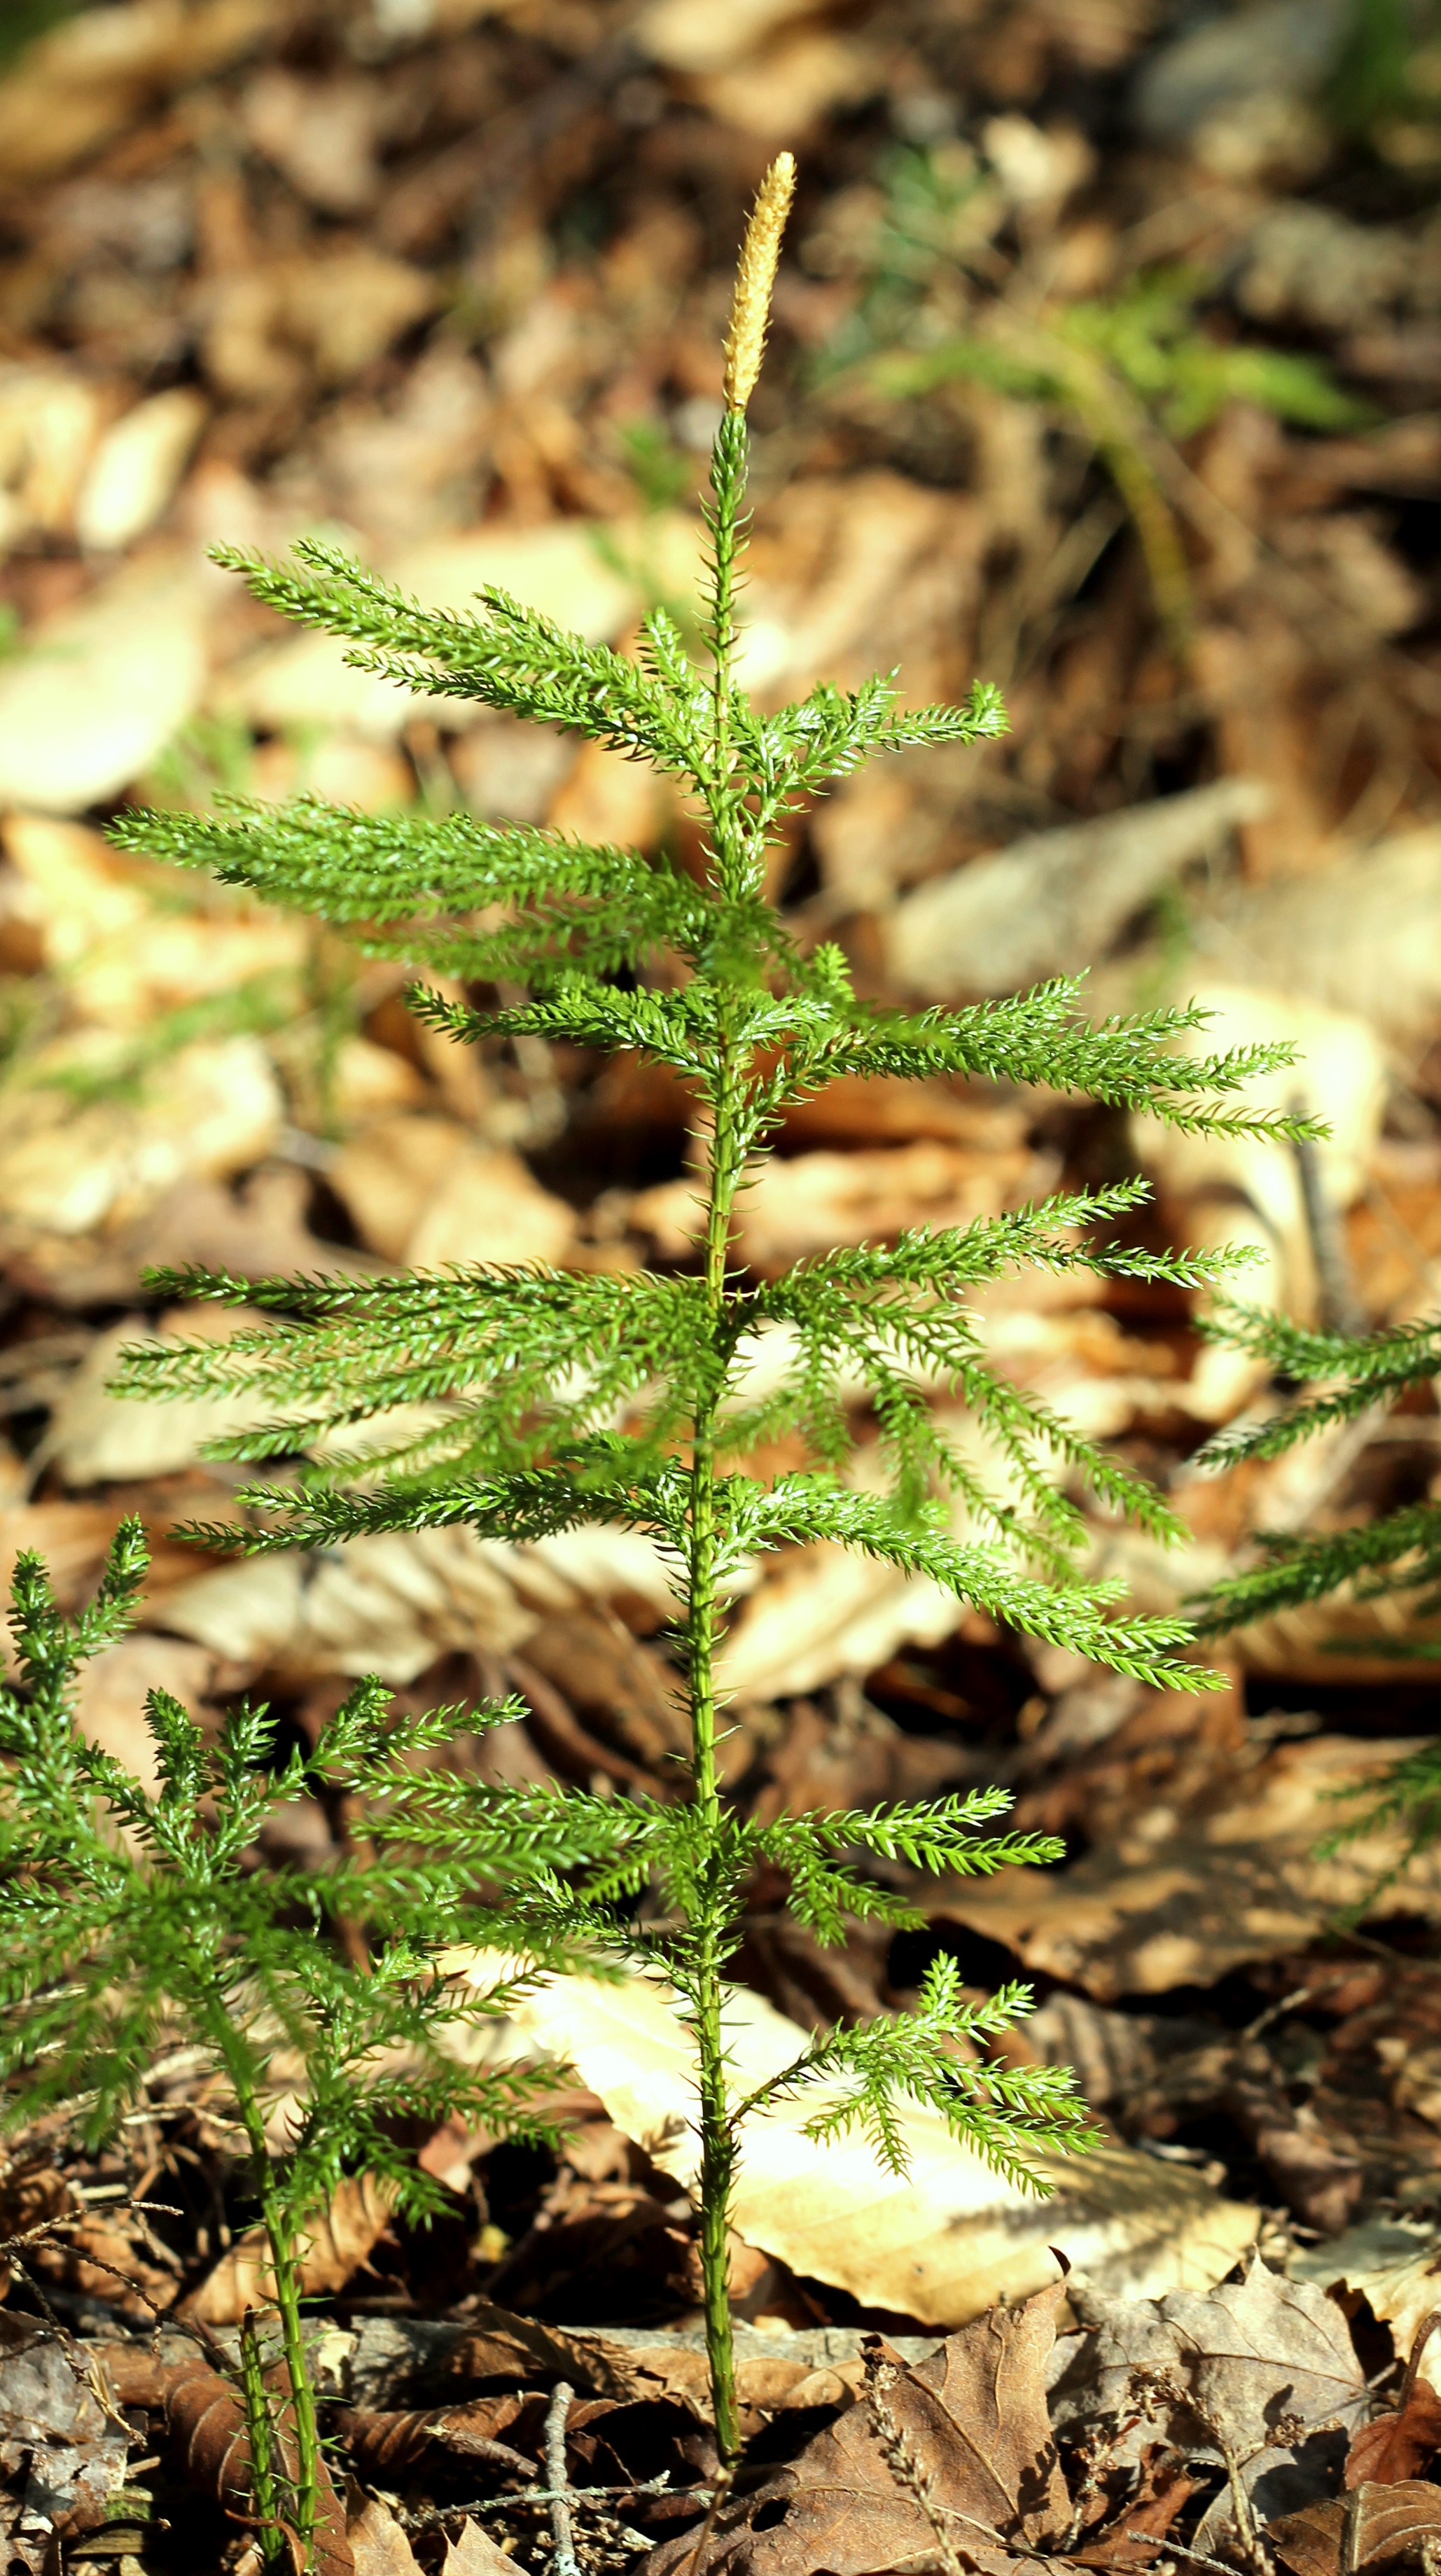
378,2545
1374,2526
475,2554
1240,2361
55,2434
1397,2446
973,2420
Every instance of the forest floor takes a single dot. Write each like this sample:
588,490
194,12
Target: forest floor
1106,367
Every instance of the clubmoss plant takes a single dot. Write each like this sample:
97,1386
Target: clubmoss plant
134,1921
1337,1378
1130,373
527,1401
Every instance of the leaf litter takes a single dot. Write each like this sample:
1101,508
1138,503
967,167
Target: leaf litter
443,274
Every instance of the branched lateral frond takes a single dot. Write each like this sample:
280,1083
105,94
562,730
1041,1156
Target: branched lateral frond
1364,1370
1004,2114
800,1507
561,905
1403,1547
594,1479
512,657
1039,1037
817,1851
508,1355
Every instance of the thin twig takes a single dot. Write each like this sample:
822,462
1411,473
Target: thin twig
562,2527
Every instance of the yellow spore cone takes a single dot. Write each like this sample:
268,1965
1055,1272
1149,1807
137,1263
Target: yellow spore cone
755,278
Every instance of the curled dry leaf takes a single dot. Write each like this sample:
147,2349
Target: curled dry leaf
211,1110
382,2443
1398,2445
205,2421
378,2545
942,2244
474,2553
90,77
98,691
1053,902
126,940
1404,2296
1374,2526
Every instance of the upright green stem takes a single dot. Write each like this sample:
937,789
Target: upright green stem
286,2270
703,1605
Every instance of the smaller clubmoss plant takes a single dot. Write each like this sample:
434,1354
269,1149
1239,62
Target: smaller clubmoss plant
522,1402
1335,1378
132,1923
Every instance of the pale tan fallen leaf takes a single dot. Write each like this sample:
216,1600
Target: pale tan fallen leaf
942,2245
387,1176
320,133
49,422
88,78
1184,1897
1400,2295
1360,935
799,79
95,693
208,1111
1339,1640
853,571
420,1189
391,1604
475,2554
820,1611
134,471
71,1537
694,36
95,1438
368,1082
378,2544
341,769
126,947
509,771
607,798
1053,902
386,1605
490,1208
270,324
823,1611
806,1203
338,2244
